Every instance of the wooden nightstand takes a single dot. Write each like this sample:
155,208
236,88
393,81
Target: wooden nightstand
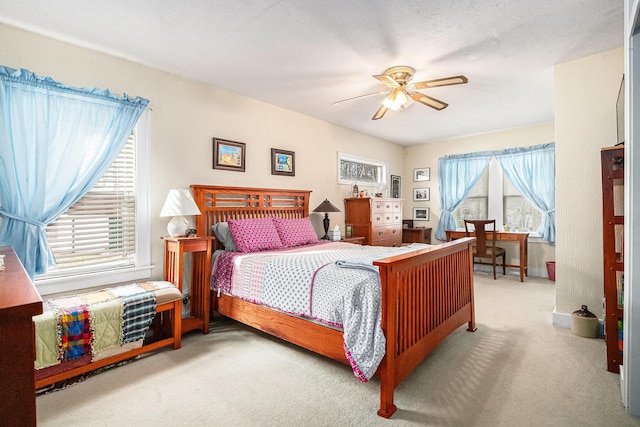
358,240
416,235
200,248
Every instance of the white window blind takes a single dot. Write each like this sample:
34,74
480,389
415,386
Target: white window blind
98,232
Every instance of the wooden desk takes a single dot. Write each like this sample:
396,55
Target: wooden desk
514,236
19,302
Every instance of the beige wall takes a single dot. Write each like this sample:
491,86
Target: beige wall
186,115
427,155
585,100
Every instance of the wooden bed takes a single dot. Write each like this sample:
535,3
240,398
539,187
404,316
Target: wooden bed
426,294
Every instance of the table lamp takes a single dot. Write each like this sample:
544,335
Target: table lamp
179,202
326,207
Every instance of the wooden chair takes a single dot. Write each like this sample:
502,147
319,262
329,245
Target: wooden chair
482,227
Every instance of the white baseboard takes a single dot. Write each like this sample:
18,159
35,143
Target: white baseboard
533,272
561,320
622,393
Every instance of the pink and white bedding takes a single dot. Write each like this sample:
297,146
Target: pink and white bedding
331,282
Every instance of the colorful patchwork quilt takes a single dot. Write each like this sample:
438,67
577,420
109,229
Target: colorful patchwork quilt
334,283
101,323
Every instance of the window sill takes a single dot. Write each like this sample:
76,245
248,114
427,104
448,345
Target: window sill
92,280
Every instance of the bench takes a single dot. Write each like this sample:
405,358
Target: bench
100,311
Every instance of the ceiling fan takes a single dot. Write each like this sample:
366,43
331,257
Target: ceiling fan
401,92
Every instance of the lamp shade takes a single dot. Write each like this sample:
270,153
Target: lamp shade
179,202
326,206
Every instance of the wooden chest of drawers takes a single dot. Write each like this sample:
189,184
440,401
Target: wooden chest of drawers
378,220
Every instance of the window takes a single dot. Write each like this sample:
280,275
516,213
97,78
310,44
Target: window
494,196
97,241
519,213
361,171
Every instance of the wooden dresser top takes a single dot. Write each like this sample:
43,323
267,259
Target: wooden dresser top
18,294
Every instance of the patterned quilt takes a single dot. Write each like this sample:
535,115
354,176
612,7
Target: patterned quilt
334,283
101,323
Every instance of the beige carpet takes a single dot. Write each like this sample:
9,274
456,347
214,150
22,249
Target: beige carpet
516,370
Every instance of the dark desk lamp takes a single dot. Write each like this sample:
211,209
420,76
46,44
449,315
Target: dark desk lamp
326,207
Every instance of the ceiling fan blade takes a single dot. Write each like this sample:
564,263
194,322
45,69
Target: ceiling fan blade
382,92
378,115
388,80
428,101
447,81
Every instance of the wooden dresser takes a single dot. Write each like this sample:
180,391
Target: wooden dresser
378,220
19,302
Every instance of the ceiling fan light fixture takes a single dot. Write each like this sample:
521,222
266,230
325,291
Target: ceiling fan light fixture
402,92
396,100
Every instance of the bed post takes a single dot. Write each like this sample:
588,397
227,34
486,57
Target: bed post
387,366
469,270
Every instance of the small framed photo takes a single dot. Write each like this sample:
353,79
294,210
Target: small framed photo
421,194
421,214
421,174
228,155
348,230
283,162
395,186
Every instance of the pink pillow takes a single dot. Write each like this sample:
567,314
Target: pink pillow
254,234
295,232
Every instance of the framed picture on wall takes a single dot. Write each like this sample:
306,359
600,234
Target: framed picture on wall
421,174
421,214
283,162
228,155
395,186
421,194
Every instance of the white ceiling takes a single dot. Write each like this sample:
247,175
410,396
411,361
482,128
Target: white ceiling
304,55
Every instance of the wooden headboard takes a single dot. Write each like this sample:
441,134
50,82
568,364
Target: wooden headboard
217,203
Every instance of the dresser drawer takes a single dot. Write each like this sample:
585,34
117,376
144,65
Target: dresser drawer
394,218
381,206
385,218
386,233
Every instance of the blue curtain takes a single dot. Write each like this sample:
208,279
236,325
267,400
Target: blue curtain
532,172
56,142
457,175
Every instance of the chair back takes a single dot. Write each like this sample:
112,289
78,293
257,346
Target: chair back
482,227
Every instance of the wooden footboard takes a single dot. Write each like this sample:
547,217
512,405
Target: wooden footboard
426,296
